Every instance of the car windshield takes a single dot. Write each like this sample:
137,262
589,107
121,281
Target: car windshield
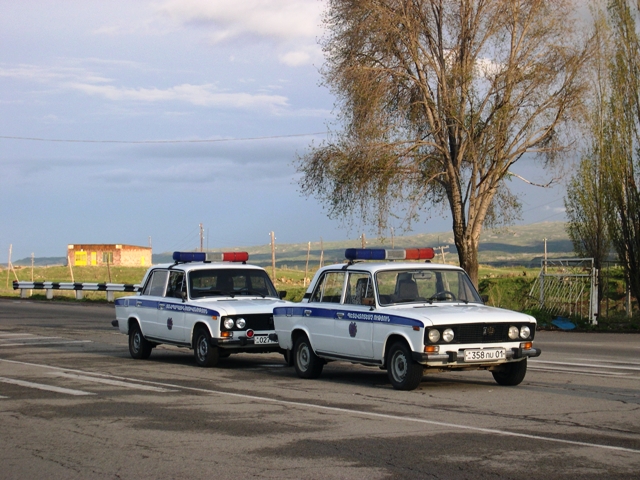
230,282
425,286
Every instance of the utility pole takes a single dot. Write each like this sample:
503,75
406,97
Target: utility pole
321,253
364,240
32,260
392,239
273,256
442,249
306,267
9,264
201,238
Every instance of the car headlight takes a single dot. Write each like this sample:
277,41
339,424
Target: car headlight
447,335
513,333
434,335
228,323
241,323
525,332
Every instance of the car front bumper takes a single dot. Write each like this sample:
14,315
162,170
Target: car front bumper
455,359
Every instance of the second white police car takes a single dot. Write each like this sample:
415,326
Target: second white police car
215,304
405,317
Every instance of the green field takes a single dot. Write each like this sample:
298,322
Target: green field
510,263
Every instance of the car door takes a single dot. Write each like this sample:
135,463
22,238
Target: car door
171,315
148,304
320,313
353,325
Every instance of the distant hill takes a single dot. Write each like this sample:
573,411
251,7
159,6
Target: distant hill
519,245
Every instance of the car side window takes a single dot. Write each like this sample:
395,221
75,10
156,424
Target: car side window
329,288
359,289
156,284
176,285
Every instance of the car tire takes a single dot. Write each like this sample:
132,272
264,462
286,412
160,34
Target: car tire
403,371
511,374
206,355
139,347
305,361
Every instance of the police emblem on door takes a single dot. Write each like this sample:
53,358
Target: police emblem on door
353,329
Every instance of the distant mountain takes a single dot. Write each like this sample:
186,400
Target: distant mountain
518,245
41,261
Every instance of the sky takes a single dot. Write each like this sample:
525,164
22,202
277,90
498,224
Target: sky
133,122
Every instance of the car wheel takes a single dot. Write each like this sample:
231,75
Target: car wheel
139,347
403,371
305,361
206,355
511,374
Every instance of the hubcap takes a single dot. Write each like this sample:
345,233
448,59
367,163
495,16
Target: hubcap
399,365
203,348
303,357
136,342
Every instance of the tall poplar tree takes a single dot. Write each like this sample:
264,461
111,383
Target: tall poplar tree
586,199
622,168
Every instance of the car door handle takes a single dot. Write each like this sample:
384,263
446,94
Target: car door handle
340,315
138,303
307,313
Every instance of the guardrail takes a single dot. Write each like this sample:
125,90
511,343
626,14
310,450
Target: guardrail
26,287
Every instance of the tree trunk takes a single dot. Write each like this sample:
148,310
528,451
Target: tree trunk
468,256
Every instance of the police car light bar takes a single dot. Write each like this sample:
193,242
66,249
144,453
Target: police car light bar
210,257
389,254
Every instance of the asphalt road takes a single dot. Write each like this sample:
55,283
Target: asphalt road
73,404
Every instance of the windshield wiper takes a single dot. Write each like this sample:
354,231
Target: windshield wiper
250,291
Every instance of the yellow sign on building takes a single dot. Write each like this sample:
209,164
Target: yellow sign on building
81,259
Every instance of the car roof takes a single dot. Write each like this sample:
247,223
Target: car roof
190,266
373,267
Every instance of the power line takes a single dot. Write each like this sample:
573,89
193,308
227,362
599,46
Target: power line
59,140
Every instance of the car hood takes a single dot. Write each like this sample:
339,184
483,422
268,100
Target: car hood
241,306
457,314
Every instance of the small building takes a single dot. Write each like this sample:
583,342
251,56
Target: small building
104,254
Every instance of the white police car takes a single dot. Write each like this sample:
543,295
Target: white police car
405,317
215,304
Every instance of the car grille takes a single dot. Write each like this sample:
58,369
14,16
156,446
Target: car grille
256,321
481,332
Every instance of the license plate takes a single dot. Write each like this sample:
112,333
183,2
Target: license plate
486,355
262,339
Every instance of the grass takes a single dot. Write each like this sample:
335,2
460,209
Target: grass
506,287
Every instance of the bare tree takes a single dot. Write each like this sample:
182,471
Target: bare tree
437,100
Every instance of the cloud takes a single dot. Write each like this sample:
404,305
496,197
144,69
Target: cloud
86,81
290,27
277,19
200,95
301,56
38,73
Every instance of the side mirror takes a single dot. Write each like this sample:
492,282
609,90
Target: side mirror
183,294
485,298
282,294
